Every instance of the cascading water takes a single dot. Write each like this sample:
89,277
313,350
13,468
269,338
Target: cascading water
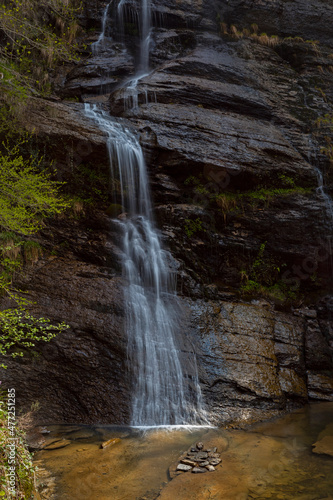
161,393
145,37
325,197
313,160
143,18
164,393
96,46
130,88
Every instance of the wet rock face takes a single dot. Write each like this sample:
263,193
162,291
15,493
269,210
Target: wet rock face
81,375
235,116
217,115
252,361
286,18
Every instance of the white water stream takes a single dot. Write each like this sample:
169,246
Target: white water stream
96,46
165,392
161,394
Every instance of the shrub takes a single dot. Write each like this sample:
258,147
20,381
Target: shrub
24,470
36,35
27,193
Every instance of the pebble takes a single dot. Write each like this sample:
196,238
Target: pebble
185,461
215,461
199,460
183,467
44,430
204,464
197,470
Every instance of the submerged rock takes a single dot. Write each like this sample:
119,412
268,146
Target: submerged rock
324,446
57,444
110,442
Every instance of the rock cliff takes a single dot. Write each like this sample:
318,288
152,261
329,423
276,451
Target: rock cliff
231,120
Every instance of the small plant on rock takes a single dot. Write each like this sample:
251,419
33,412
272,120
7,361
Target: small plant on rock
193,226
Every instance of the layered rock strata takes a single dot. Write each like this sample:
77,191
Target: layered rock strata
233,132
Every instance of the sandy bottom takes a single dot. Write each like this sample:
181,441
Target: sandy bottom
273,460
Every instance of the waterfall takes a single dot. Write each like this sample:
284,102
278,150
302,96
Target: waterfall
130,87
166,389
145,37
162,394
96,46
326,198
143,19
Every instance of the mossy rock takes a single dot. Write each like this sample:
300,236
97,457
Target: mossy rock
114,209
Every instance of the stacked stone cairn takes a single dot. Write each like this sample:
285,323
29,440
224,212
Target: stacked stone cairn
198,460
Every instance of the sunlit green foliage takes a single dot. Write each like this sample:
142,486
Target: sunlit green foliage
20,330
27,193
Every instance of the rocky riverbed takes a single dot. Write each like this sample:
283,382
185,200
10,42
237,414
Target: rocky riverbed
275,460
198,460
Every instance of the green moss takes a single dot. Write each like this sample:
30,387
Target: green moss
32,251
192,181
114,209
279,293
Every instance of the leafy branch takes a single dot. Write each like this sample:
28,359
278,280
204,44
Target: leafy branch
27,193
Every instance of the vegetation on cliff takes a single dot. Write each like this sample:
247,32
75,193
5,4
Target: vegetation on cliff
17,473
27,196
34,38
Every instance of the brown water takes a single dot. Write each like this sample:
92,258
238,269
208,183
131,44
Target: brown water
271,460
